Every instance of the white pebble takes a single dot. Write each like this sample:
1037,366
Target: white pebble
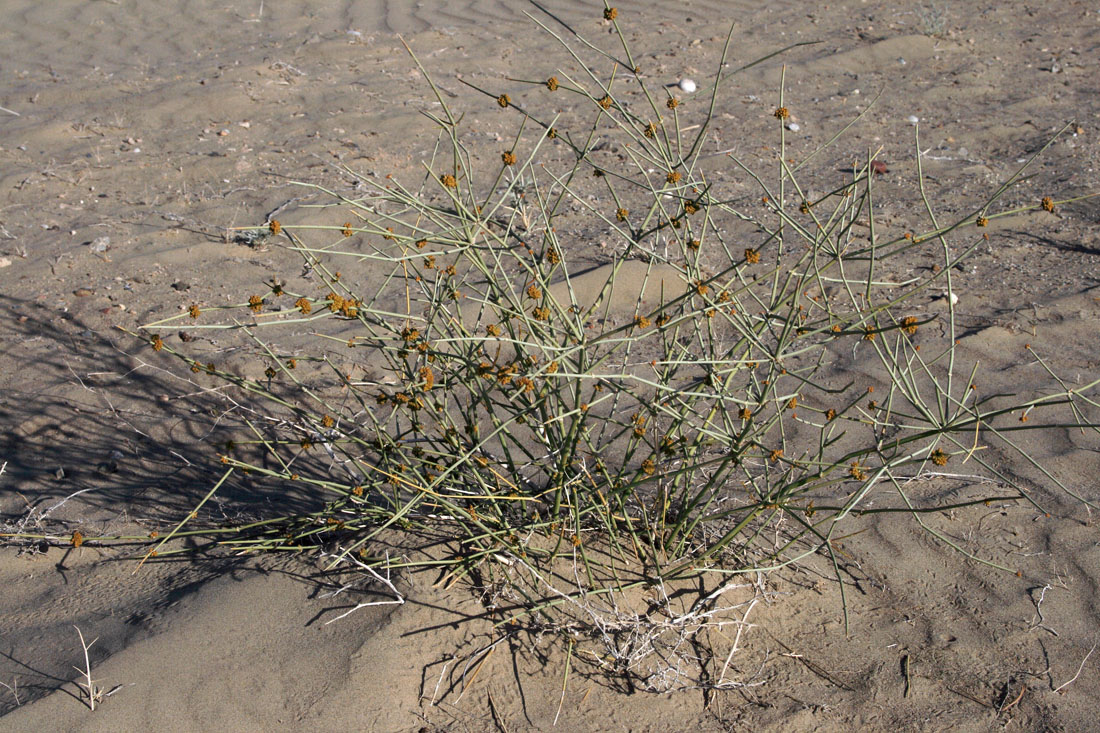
913,119
794,127
954,298
687,86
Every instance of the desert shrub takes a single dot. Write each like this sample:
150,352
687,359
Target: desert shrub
577,368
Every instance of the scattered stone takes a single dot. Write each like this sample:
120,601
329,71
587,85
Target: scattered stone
83,292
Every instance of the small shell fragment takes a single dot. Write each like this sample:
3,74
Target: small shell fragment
687,86
794,127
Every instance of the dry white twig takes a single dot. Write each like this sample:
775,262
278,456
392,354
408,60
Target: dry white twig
656,646
14,688
1040,622
736,645
386,581
1080,667
89,686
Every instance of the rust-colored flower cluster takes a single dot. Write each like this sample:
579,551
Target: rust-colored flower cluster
427,377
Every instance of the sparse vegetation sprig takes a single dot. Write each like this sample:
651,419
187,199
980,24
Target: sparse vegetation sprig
573,423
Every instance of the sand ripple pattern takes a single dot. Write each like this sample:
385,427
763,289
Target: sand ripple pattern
139,38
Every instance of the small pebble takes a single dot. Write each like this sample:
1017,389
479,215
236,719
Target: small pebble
687,86
954,299
794,127
913,119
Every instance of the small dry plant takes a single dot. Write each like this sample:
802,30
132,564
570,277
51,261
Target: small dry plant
569,424
91,690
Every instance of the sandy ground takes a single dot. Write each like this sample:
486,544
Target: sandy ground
133,135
